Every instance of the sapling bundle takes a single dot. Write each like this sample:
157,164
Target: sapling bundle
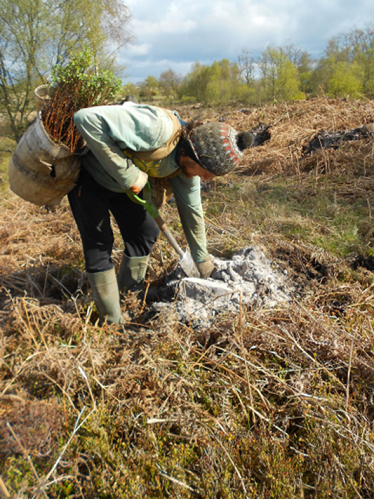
77,85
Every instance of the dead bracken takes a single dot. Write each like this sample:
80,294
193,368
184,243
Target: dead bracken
267,400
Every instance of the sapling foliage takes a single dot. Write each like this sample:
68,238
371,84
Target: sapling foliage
78,84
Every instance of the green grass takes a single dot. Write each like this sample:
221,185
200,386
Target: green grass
314,214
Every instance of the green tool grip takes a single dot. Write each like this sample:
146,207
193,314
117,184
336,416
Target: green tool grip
147,203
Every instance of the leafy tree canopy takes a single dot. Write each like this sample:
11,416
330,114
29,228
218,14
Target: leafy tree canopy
35,35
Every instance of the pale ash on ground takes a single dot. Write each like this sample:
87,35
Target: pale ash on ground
248,279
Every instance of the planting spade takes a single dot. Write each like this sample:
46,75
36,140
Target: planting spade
186,262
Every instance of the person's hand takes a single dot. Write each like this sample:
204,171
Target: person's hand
140,183
205,268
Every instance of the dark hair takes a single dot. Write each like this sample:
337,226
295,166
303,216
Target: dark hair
184,144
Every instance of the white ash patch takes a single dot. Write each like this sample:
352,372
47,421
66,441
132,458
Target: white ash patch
248,279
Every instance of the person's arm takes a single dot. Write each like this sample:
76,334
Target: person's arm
188,199
95,126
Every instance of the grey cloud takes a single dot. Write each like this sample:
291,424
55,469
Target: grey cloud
220,29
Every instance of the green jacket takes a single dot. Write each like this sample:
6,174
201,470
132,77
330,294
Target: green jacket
109,130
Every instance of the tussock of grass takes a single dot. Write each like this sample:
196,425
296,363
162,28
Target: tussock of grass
267,403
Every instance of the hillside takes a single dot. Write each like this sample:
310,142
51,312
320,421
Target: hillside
262,403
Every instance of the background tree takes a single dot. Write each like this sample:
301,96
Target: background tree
196,81
279,76
303,62
246,66
345,79
360,45
215,84
148,88
347,66
37,34
76,25
225,78
20,46
170,82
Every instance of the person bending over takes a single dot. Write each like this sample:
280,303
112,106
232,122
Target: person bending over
129,143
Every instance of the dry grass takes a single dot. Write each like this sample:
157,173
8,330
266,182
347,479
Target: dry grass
265,404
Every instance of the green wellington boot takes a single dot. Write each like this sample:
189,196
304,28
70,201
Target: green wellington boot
106,295
132,273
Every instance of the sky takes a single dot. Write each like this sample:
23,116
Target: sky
175,34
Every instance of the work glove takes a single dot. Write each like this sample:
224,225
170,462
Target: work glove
205,268
140,182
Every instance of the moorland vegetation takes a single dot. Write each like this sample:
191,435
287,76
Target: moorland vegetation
266,403
270,403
